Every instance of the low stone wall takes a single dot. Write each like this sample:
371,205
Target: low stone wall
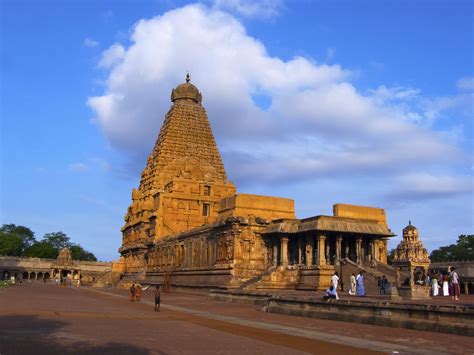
455,319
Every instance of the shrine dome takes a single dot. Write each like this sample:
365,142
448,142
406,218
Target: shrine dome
186,91
410,231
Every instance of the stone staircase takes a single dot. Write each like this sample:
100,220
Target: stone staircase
371,274
107,279
250,283
277,278
129,278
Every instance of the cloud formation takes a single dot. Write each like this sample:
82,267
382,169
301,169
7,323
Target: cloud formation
466,83
315,122
251,8
91,43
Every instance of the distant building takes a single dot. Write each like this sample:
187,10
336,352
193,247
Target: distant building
188,226
39,269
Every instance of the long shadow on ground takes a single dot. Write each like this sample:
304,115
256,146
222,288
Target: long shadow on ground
33,335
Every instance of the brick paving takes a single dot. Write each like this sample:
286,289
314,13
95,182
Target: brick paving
44,319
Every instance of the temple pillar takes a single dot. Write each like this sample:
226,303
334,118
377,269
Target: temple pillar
347,249
284,250
370,252
358,250
466,288
300,251
321,249
385,251
338,250
309,250
275,252
327,252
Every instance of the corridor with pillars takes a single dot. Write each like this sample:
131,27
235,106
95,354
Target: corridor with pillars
317,249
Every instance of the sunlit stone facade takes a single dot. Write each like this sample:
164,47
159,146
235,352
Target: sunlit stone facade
188,226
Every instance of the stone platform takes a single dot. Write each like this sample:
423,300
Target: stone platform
437,314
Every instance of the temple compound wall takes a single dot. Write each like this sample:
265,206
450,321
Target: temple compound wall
188,227
40,269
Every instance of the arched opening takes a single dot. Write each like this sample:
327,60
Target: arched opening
39,276
6,275
33,275
25,275
46,276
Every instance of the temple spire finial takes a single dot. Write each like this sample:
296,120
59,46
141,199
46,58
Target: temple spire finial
188,77
409,223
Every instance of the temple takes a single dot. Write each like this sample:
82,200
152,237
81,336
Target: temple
187,225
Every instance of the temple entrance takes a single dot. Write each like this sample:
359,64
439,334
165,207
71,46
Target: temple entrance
25,275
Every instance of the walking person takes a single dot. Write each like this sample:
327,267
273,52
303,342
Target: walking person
334,283
434,286
454,280
138,293
379,284
352,290
132,293
157,298
360,291
384,285
445,285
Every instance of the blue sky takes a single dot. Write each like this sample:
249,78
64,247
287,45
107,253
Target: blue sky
367,102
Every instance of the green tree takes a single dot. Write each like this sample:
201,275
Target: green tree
462,250
58,240
14,240
42,249
49,246
10,244
78,253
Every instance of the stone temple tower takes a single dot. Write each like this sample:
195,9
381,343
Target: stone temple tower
183,181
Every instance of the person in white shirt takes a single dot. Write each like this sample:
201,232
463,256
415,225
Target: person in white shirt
335,282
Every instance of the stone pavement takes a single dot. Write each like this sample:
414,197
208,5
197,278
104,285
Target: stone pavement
44,319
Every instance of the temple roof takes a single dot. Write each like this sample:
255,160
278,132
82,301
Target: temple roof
186,91
185,144
328,224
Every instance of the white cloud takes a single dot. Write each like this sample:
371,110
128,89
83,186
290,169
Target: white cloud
318,122
91,43
421,185
466,83
78,167
112,56
330,52
251,8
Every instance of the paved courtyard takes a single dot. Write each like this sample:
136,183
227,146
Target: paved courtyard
38,318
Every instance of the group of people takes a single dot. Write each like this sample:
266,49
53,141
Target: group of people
357,287
135,294
448,283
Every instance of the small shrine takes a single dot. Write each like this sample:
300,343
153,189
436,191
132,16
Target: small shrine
412,262
64,257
